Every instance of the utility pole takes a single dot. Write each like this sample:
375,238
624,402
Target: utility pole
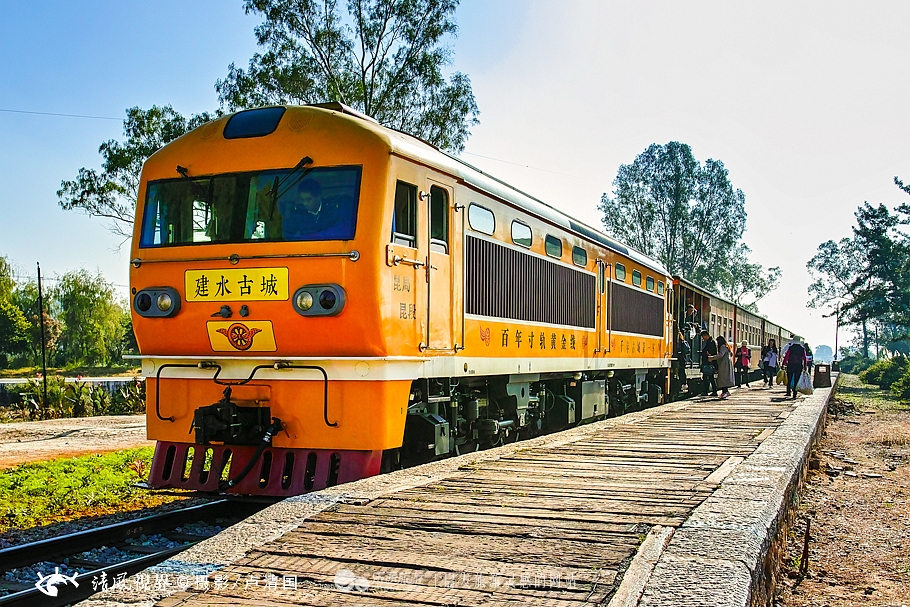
836,329
43,338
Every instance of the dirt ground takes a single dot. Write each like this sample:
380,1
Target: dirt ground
859,542
51,439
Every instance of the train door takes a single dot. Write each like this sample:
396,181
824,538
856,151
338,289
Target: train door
440,269
604,273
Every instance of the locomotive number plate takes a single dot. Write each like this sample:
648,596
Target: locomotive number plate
249,284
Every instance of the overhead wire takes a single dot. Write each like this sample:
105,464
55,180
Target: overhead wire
11,111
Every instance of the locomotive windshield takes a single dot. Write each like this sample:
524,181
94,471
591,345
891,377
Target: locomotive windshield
276,205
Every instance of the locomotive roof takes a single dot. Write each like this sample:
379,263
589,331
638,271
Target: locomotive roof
415,148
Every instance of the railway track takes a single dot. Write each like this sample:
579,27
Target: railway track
66,569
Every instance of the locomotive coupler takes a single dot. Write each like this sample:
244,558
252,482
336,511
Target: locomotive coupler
226,422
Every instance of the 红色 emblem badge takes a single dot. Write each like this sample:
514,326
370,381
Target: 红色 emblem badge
240,336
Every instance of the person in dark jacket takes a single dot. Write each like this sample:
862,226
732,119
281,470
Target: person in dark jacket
708,366
795,362
682,356
770,359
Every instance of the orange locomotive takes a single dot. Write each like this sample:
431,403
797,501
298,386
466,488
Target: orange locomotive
316,297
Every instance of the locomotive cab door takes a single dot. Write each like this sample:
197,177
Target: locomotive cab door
604,284
441,231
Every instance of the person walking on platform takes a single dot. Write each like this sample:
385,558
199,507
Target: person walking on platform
724,358
708,366
787,345
808,359
795,363
743,361
769,360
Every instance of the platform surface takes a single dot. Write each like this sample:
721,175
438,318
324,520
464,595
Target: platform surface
551,525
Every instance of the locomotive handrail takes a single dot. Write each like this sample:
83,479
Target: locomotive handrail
398,259
234,258
325,383
199,365
279,365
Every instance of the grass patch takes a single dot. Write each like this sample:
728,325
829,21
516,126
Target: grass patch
41,493
865,397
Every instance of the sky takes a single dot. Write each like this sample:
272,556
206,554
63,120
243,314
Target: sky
805,103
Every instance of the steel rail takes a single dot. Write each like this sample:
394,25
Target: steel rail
57,548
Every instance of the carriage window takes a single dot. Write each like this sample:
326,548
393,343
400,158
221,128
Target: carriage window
553,246
601,277
481,219
636,278
439,220
404,220
660,287
521,234
620,272
649,283
579,256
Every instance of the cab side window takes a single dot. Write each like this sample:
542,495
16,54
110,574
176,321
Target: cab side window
439,220
404,219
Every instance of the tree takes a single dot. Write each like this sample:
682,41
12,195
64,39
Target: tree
836,274
685,214
91,316
383,58
867,277
745,283
13,329
7,282
26,298
113,192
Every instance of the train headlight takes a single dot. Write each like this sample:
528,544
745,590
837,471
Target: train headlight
327,299
331,298
157,302
143,302
304,300
164,302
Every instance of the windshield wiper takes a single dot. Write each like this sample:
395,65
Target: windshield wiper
201,192
274,193
303,162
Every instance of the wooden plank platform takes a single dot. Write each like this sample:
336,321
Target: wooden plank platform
550,526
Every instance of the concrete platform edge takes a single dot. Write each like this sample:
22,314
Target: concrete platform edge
726,552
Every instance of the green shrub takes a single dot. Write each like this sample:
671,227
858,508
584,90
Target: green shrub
885,372
71,399
901,388
855,364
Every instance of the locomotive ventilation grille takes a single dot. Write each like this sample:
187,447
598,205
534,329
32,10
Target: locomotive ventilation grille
505,283
635,311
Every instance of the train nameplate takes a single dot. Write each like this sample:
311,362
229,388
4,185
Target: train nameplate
247,284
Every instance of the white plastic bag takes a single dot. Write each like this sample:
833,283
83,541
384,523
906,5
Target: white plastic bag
804,385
